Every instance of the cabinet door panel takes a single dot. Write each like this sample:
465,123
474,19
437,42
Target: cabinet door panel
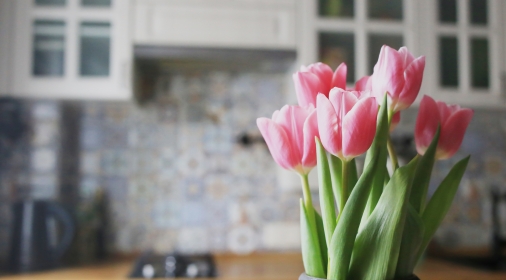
221,26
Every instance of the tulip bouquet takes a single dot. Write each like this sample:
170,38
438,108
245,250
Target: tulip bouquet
373,225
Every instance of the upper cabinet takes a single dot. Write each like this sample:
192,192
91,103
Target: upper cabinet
461,39
465,40
252,24
70,49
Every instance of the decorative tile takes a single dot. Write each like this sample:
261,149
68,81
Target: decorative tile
143,137
44,160
218,140
144,163
46,110
193,188
242,239
88,186
116,162
192,163
115,136
281,236
192,240
45,134
167,213
90,163
194,214
217,187
167,164
116,188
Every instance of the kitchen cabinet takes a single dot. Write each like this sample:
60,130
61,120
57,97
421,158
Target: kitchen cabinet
250,24
69,49
463,41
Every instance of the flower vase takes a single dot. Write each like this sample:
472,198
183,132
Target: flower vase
304,276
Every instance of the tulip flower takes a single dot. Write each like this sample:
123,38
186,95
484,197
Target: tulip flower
363,84
398,74
318,78
453,120
346,122
290,137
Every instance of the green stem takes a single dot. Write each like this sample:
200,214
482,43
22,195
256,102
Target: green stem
393,155
308,202
344,185
390,146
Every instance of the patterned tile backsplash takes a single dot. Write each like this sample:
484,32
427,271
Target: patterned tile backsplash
176,178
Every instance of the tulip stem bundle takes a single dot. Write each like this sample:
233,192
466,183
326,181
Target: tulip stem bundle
384,221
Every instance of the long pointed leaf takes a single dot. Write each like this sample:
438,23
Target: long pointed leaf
326,196
441,201
377,246
321,240
311,254
422,175
343,240
411,241
336,170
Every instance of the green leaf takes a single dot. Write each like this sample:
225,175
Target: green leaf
411,241
377,245
321,240
422,175
352,175
336,167
441,201
343,240
311,254
326,196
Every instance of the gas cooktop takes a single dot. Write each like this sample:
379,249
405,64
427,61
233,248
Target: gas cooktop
150,265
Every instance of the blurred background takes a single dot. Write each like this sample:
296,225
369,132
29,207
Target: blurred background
139,116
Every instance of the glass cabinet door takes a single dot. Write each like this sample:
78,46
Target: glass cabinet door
52,3
96,3
48,48
95,48
353,31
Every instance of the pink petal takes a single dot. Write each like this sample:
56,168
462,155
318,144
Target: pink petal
339,77
444,111
408,57
328,125
427,122
278,143
396,118
292,123
413,81
307,86
363,84
359,127
342,101
388,74
452,133
323,72
310,132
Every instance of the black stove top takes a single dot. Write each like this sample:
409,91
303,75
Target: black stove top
151,265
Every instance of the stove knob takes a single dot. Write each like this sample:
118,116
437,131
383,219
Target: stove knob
192,270
148,271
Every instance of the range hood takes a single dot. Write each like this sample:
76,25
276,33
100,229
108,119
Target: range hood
154,62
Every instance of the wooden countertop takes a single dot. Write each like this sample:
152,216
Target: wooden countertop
258,267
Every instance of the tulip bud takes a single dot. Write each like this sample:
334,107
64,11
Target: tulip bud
453,121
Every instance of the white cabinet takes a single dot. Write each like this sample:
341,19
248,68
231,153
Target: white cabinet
70,49
463,41
215,23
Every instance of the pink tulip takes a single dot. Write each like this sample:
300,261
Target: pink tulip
346,122
290,137
363,84
318,78
400,75
453,120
